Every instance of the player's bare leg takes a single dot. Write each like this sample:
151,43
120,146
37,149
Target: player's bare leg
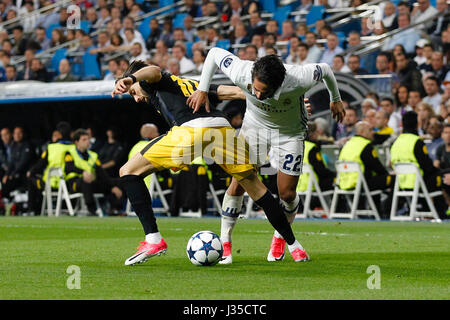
132,176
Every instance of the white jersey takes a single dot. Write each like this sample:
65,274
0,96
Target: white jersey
285,111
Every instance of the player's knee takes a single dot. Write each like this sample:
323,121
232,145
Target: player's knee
287,195
235,189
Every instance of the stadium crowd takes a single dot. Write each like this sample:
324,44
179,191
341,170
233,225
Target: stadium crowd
411,70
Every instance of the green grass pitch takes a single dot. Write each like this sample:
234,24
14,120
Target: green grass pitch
413,259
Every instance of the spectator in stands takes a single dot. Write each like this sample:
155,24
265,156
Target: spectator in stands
442,162
401,100
427,52
85,174
434,132
409,148
389,20
20,158
112,153
339,64
366,27
19,41
128,23
130,39
5,150
198,58
251,52
211,36
305,5
173,66
137,53
408,38
191,8
414,99
189,30
179,53
382,131
42,39
369,117
11,73
113,70
154,35
301,29
26,74
424,113
249,7
438,69
103,19
257,25
314,52
360,148
374,96
123,65
120,4
320,23
241,34
272,27
332,49
287,30
64,72
236,7
39,71
301,55
257,41
269,41
368,104
440,24
354,63
395,119
323,131
433,96
7,47
420,57
384,85
271,50
407,73
423,12
57,38
342,132
325,31
166,34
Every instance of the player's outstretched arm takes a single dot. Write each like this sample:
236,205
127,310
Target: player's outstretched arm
213,61
230,93
336,106
150,74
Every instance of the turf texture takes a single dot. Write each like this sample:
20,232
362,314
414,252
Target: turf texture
413,259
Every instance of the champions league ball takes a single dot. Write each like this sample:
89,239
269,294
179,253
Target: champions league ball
204,248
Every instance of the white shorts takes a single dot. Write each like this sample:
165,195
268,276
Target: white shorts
284,152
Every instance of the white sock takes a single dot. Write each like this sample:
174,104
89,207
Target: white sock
153,238
231,208
290,210
226,228
294,246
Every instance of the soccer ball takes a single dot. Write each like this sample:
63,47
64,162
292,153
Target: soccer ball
204,248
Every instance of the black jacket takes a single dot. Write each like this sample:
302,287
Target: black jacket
21,156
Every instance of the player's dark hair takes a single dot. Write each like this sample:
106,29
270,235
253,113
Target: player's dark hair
270,71
64,128
409,121
79,133
133,67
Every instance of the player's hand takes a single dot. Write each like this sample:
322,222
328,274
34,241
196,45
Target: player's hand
337,110
122,86
198,99
308,107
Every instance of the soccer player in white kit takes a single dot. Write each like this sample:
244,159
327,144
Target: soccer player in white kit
275,120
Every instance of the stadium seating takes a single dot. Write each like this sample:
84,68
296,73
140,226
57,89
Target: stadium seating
91,69
178,22
57,57
144,27
316,13
269,5
361,190
224,44
420,191
280,15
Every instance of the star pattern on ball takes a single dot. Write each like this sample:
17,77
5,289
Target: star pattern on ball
191,253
